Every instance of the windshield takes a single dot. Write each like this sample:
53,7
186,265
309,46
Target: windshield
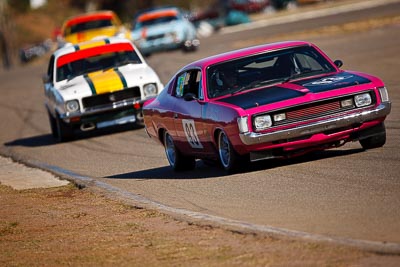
154,21
265,69
98,62
89,25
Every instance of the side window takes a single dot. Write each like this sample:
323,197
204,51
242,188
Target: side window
180,84
198,85
188,82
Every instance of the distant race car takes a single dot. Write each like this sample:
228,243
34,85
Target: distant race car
163,29
97,84
85,27
271,101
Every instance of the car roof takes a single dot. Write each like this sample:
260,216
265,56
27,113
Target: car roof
157,13
70,48
90,16
205,62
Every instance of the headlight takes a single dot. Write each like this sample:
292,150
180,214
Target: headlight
72,105
363,100
150,89
242,123
262,122
347,103
384,94
280,117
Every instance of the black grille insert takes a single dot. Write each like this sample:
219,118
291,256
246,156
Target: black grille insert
155,37
109,98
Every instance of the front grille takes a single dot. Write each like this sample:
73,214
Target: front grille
314,110
109,98
155,37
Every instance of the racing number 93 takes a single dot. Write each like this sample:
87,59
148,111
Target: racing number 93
191,134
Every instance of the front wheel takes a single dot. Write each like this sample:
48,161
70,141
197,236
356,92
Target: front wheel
375,141
53,125
227,155
65,132
175,158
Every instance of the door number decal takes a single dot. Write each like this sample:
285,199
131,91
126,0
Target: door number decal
191,133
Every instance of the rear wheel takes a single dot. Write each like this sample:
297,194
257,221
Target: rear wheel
175,158
375,141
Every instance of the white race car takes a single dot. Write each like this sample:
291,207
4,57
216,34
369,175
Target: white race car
97,84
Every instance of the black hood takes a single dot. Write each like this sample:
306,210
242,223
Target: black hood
276,93
331,82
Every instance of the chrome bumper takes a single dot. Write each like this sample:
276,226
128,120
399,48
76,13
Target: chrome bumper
101,109
330,124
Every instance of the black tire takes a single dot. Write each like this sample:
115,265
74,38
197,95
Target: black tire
176,160
140,119
53,125
228,157
65,132
375,141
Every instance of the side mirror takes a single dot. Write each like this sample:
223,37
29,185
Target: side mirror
338,63
189,97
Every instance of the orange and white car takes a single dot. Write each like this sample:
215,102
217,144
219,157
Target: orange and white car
87,26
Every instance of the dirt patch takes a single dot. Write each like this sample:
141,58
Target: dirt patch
68,226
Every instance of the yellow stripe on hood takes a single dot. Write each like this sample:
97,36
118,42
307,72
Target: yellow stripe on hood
105,82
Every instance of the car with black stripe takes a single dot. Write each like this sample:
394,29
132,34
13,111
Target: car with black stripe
97,84
276,100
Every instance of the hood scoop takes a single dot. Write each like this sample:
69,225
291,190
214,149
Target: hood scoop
326,83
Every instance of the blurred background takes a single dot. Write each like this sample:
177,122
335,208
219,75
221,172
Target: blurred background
29,28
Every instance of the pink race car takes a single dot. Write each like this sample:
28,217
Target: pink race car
270,101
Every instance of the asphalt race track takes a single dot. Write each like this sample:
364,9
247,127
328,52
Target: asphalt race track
345,193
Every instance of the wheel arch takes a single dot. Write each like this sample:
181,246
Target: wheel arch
216,132
161,131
